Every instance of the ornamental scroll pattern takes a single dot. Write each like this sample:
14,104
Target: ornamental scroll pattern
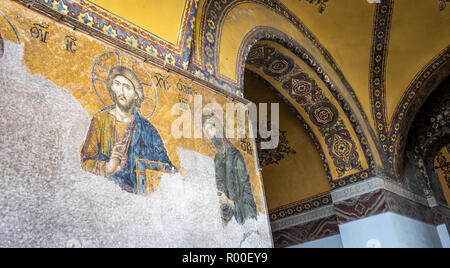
305,91
211,23
429,133
321,4
274,156
126,32
443,163
392,133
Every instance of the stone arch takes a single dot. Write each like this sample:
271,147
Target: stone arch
225,67
301,121
216,15
430,134
325,116
424,84
283,168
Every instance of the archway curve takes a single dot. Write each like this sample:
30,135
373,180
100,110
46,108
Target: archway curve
297,161
209,66
343,132
430,134
205,62
423,85
307,126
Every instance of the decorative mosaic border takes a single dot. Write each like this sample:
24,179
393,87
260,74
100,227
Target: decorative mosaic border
413,99
392,134
431,134
116,27
211,26
377,81
302,218
300,207
300,118
53,14
270,34
265,33
334,184
313,102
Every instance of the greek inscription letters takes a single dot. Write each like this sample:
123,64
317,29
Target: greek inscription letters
71,43
39,32
162,81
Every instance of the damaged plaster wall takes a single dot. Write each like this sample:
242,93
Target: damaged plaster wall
47,200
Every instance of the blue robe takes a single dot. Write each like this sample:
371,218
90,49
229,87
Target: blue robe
145,143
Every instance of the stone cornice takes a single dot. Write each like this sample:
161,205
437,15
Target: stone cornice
374,184
303,218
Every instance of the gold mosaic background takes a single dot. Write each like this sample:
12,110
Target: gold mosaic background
72,71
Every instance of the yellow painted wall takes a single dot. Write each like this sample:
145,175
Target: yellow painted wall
299,176
419,32
72,71
345,30
240,21
351,48
162,18
277,84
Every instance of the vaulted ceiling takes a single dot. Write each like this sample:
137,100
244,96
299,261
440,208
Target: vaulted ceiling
375,63
378,56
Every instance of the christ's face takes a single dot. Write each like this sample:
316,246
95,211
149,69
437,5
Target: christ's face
124,91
